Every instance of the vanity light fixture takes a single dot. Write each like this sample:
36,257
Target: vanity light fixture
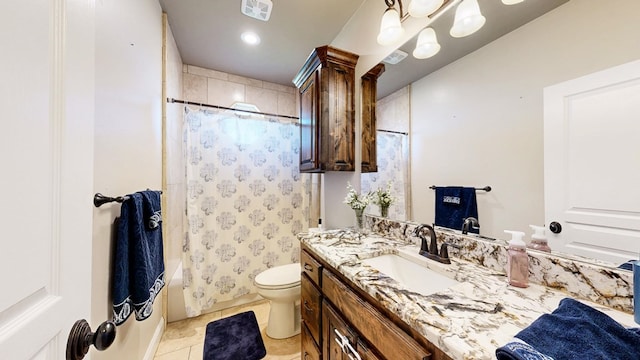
468,19
427,44
390,26
422,8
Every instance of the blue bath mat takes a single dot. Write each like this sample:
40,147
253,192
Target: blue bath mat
234,338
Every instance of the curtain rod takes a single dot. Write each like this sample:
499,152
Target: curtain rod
393,132
172,100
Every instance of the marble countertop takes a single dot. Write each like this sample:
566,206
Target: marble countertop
466,321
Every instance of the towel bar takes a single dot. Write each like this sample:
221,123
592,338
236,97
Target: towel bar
99,199
486,188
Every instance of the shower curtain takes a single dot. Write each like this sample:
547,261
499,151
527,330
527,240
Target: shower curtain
393,166
245,203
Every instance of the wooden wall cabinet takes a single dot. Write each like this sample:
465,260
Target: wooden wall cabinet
326,85
369,93
351,322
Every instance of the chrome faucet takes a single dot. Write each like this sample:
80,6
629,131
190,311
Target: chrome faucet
470,223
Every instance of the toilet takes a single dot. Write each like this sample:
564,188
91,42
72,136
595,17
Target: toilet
281,286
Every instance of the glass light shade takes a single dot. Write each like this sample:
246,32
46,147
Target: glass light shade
390,27
422,8
468,19
511,2
427,44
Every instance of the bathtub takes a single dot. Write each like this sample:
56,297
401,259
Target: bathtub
175,297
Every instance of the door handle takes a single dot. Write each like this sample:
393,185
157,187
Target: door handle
343,340
555,227
81,338
355,356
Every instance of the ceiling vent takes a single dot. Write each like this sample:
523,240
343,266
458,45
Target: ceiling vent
257,9
395,57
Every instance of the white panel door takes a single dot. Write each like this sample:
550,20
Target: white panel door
46,159
592,163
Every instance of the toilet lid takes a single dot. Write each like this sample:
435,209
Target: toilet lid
280,276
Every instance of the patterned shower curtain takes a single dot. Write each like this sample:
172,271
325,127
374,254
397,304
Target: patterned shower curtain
245,203
393,166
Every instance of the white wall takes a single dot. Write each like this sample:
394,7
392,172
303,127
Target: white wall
174,186
478,121
128,147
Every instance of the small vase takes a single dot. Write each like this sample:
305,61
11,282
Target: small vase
384,210
359,220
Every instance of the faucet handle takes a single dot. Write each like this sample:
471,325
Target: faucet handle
470,223
444,252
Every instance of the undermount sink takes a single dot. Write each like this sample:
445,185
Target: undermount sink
412,276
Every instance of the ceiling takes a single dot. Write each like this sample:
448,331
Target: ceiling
207,33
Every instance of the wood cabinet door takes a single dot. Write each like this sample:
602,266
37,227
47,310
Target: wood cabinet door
311,300
309,136
336,332
337,117
369,86
310,350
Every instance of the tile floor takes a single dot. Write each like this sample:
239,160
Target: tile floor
184,340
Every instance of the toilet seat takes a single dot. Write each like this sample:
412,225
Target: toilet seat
279,277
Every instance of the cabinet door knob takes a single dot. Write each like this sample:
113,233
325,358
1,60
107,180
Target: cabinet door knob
306,306
308,267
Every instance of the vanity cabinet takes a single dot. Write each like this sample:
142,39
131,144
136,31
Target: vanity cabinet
369,95
351,321
326,86
310,307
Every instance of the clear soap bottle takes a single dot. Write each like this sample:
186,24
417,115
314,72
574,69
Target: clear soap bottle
517,260
538,239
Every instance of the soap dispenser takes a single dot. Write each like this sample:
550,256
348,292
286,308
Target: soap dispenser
538,239
517,260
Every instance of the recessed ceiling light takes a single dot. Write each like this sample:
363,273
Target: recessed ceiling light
250,38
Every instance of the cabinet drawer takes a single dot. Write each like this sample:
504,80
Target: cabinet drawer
365,352
311,267
390,341
310,350
311,302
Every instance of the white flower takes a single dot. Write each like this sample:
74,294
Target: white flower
356,201
383,197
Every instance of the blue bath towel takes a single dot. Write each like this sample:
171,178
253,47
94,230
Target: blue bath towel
453,205
573,331
138,273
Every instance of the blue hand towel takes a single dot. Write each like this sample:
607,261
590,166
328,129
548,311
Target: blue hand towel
573,331
453,205
138,272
